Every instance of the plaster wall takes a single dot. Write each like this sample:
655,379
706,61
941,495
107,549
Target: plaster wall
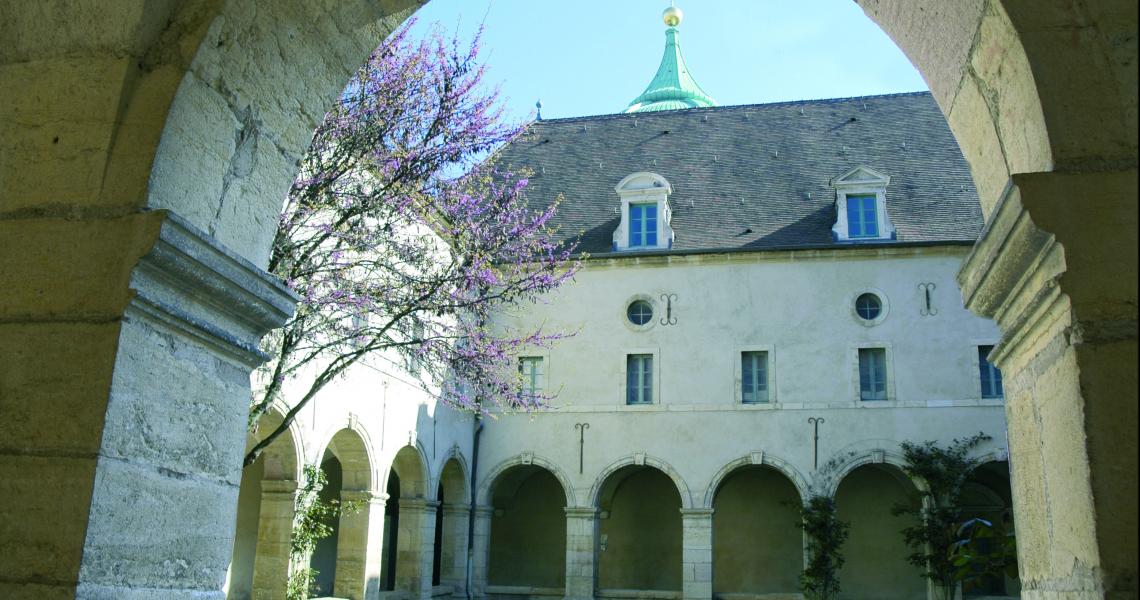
795,305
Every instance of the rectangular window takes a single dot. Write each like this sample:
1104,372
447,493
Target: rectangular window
530,370
642,225
639,379
753,377
872,374
862,218
991,375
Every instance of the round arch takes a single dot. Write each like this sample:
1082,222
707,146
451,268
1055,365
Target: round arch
485,488
352,448
776,463
454,477
284,457
893,459
411,466
640,460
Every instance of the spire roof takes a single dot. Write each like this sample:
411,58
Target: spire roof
672,87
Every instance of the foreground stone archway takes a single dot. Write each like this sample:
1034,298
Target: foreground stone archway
198,108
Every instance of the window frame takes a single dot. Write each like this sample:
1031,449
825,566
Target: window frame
862,213
738,374
884,306
891,392
655,376
532,390
640,227
624,312
983,366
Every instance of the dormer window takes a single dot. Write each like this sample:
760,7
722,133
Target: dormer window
645,214
861,206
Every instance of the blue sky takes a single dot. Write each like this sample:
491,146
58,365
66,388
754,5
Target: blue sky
592,56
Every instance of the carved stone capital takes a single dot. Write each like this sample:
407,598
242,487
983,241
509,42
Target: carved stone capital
278,486
363,497
1058,254
1011,274
418,504
192,286
581,512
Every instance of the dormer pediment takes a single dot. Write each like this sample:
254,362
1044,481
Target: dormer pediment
643,182
861,176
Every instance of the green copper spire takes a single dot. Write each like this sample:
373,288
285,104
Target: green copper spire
672,87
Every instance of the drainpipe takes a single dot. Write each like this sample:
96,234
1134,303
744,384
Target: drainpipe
478,425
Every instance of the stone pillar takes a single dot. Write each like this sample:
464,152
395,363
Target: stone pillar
453,555
696,553
1056,268
274,535
581,552
481,551
415,542
168,467
360,542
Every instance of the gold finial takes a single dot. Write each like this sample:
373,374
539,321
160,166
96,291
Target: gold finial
672,16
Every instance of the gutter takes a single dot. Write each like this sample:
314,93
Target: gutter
478,430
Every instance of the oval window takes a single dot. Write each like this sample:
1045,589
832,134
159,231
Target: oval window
868,306
639,312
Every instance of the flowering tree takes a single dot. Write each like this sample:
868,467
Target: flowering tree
391,253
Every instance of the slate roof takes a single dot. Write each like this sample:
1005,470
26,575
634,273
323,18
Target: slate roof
770,155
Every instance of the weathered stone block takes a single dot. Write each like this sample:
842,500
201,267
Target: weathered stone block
188,520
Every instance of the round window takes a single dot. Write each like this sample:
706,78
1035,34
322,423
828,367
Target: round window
868,306
639,312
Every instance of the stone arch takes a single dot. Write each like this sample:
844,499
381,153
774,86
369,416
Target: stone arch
779,464
596,490
640,502
525,459
454,478
449,554
871,457
757,548
525,498
259,564
410,465
877,567
352,446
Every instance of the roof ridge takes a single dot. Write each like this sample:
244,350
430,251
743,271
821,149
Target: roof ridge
730,107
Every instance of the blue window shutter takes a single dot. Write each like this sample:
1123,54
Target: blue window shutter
651,225
854,225
636,220
870,218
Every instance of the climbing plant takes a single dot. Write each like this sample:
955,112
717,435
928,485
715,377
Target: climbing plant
311,518
826,534
939,516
